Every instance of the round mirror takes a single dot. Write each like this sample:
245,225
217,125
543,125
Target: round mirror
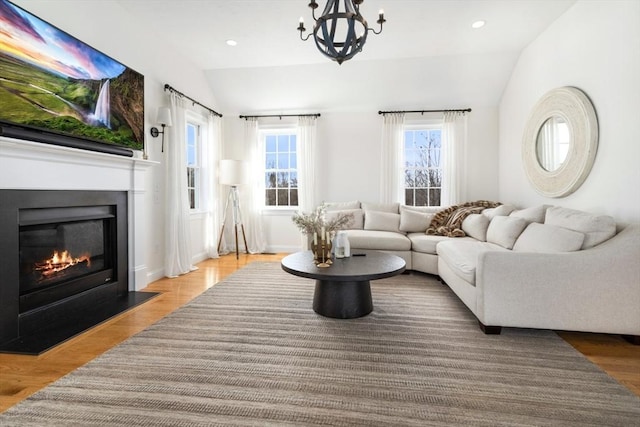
552,144
560,142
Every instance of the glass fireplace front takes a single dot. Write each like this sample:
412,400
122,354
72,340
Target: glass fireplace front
64,251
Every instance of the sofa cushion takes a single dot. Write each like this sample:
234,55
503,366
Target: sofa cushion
476,225
423,209
382,207
338,206
378,240
381,221
548,238
502,210
427,243
596,229
358,217
504,230
533,214
412,221
462,256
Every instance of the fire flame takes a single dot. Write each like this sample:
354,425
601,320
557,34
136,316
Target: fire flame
60,261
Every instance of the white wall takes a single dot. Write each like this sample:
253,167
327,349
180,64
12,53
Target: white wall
349,129
349,158
107,27
594,46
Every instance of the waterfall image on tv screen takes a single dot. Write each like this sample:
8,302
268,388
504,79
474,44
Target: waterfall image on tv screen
51,81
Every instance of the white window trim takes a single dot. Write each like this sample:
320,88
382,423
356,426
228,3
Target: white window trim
195,119
284,129
428,123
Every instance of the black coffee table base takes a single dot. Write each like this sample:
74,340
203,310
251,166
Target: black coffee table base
342,299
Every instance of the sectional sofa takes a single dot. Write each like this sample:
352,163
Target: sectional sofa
545,267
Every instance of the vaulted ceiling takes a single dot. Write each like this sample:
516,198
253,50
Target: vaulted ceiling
427,53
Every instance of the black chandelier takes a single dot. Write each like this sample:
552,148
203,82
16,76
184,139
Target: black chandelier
347,24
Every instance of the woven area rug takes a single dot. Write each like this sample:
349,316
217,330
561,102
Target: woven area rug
251,351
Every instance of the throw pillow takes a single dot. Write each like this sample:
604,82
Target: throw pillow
358,218
338,206
504,230
596,229
381,207
548,238
381,221
502,210
413,221
476,225
534,214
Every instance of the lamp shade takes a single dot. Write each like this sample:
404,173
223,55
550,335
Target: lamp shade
233,172
164,116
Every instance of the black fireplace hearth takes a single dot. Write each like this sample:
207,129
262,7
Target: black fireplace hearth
64,265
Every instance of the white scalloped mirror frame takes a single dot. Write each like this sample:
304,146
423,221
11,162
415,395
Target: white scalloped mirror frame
576,109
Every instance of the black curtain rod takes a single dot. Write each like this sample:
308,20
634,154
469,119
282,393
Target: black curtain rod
280,116
466,110
169,88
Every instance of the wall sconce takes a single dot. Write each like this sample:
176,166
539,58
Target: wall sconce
164,119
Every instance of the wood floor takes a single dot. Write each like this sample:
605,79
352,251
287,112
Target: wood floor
21,376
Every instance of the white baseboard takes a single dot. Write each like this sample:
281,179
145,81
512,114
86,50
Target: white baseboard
154,275
283,249
195,259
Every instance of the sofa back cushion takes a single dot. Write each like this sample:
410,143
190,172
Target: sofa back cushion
358,218
339,206
381,221
504,230
548,238
596,229
533,214
502,210
414,221
382,207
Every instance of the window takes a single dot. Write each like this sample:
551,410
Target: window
422,165
193,142
281,168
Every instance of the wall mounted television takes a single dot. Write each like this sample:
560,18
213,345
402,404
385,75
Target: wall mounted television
56,89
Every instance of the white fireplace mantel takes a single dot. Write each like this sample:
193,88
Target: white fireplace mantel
26,165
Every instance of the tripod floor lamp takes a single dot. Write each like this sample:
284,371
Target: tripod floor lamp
233,173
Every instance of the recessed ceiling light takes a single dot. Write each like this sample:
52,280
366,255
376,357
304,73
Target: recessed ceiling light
232,42
478,24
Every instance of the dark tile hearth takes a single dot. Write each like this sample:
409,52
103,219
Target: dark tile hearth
74,324
67,268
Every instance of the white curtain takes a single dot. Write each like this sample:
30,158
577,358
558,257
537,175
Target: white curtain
254,190
454,140
178,255
392,176
211,196
307,186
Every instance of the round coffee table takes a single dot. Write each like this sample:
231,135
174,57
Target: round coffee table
343,291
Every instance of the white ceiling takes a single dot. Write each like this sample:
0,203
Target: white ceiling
266,29
426,42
